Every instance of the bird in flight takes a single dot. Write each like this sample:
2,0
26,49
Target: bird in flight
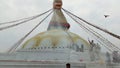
106,16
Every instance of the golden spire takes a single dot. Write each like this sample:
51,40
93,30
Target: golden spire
58,20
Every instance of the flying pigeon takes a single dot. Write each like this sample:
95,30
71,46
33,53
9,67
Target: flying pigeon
106,16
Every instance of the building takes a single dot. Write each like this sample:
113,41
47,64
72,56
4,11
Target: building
55,48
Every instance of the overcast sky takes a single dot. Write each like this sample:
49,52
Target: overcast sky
90,10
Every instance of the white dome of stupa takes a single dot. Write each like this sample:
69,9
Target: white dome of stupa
56,39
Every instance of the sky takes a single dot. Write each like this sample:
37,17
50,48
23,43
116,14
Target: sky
90,10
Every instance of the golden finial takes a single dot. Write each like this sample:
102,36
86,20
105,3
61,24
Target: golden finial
57,4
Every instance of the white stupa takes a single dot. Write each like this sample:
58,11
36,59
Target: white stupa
57,43
54,48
